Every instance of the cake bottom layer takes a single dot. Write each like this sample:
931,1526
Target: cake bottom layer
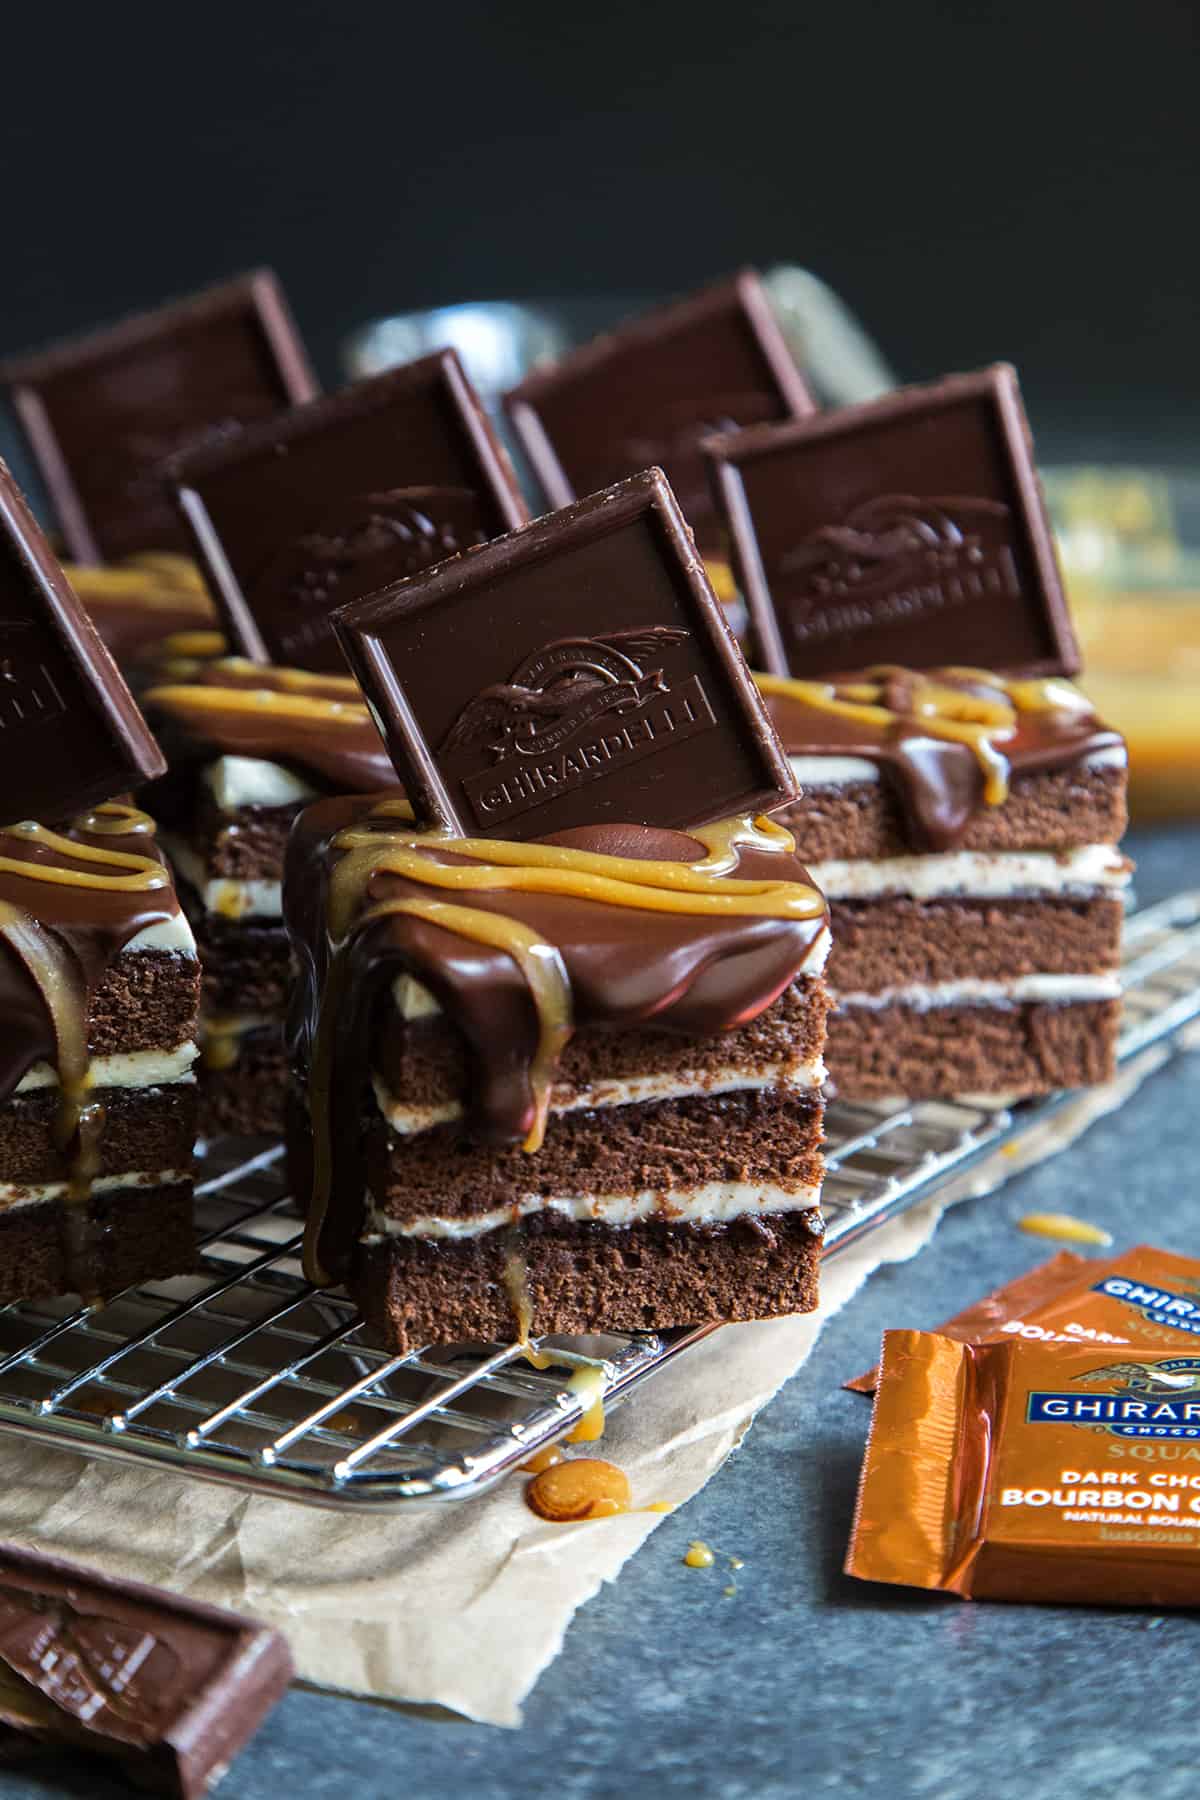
243,1080
943,1052
582,1277
135,1234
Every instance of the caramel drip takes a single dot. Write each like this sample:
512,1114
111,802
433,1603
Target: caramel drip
196,701
587,1383
155,581
298,681
145,873
984,722
379,848
79,1122
516,1286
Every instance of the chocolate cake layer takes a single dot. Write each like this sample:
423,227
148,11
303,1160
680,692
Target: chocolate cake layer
766,1142
246,962
138,1234
246,845
145,1000
246,1097
947,1051
894,942
1059,809
583,1277
146,1130
422,1064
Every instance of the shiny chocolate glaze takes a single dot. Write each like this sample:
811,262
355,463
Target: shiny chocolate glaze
316,725
85,928
624,965
940,783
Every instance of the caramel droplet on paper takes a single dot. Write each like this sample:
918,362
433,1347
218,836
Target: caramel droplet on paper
699,1556
585,1489
1066,1228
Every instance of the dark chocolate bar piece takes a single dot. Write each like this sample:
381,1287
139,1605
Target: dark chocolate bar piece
651,390
169,1686
578,671
336,499
104,412
70,733
908,530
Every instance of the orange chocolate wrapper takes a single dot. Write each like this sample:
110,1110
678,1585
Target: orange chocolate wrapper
1143,1296
1027,1471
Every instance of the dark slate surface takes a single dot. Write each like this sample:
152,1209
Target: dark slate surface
807,1682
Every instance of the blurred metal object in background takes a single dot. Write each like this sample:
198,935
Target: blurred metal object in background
842,362
1129,540
499,341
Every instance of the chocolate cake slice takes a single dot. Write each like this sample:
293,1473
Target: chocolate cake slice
963,827
562,1086
99,986
249,745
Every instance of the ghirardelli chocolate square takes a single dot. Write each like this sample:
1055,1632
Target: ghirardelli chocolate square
578,671
648,393
104,412
70,734
909,530
333,500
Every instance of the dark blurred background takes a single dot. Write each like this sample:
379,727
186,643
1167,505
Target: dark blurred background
1020,183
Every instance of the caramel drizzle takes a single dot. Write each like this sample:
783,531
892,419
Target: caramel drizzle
79,1121
311,699
981,721
162,582
701,889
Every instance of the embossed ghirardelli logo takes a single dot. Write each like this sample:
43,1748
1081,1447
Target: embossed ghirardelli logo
28,694
366,542
895,559
87,1665
1143,1400
575,711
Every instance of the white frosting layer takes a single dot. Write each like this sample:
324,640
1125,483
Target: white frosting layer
712,1203
227,898
168,934
922,997
130,1069
235,781
633,1090
832,771
14,1193
981,874
840,771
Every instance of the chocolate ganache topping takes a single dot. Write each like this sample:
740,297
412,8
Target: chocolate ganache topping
521,944
316,725
69,904
949,741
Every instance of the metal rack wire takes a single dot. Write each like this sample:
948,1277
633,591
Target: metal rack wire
246,1374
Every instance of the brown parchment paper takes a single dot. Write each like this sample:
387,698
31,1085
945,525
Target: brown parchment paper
463,1605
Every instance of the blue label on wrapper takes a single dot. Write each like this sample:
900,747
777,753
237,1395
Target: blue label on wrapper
1145,1400
1179,1312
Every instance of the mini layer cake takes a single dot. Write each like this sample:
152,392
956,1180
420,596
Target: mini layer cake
249,746
566,1085
99,986
963,828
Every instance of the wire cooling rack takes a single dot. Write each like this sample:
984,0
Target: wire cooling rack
246,1374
